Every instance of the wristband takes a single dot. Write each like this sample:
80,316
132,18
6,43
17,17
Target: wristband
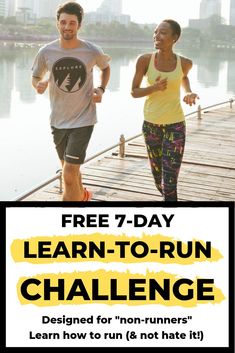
102,88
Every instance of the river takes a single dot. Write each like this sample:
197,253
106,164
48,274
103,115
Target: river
28,156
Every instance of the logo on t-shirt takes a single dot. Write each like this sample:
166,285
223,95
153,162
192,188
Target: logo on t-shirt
69,74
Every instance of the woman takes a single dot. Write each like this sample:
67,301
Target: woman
164,122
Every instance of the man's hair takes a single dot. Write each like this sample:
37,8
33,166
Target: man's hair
176,29
71,8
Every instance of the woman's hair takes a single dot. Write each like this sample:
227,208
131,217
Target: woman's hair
71,8
176,29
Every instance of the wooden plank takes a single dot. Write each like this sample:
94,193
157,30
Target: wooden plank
207,172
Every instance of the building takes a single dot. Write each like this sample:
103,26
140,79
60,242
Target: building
29,11
25,12
25,4
10,9
210,8
232,13
39,8
111,6
107,12
45,8
2,8
200,24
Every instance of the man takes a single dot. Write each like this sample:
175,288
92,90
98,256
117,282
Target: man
70,61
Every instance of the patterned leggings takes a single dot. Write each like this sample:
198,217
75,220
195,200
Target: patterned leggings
165,146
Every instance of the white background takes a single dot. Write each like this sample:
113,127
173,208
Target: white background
201,223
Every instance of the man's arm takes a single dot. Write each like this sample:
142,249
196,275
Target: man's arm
104,79
39,84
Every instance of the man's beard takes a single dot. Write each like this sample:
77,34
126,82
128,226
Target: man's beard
68,36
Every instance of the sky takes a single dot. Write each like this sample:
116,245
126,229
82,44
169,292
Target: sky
154,11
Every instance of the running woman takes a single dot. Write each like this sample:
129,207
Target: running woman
164,127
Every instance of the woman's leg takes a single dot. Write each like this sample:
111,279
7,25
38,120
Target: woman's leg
173,150
153,139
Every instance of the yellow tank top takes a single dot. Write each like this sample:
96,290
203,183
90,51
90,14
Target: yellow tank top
164,107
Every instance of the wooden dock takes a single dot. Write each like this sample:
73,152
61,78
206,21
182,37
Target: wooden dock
207,172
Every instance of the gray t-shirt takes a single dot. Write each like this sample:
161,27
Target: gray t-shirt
70,82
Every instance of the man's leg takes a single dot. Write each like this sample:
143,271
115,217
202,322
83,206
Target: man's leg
73,188
71,146
74,157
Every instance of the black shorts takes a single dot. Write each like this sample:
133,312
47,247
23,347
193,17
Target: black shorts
71,144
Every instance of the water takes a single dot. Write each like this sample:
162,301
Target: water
28,156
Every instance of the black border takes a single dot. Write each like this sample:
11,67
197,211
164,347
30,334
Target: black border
230,205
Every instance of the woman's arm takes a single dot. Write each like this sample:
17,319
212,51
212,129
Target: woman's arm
190,97
141,69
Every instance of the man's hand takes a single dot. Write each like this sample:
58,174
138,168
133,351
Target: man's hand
41,86
190,98
97,95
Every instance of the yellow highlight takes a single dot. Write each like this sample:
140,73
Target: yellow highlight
112,287
108,248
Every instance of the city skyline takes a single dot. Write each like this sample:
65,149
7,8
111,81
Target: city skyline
188,9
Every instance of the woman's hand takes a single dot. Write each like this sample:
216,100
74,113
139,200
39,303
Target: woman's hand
190,98
160,85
